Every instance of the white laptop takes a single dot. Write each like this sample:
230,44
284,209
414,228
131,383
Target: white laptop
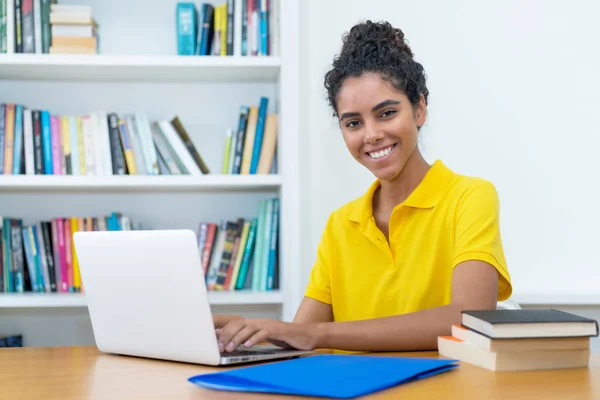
147,297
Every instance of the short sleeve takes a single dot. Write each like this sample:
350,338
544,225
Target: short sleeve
319,285
477,233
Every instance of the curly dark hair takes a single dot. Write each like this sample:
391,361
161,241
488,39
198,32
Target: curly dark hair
376,47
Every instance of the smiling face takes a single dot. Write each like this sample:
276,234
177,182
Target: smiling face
379,124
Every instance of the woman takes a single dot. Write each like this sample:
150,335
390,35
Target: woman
396,267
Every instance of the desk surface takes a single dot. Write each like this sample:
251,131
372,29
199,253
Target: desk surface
85,373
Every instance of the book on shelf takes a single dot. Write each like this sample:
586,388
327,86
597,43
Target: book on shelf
45,27
517,340
228,28
235,254
242,254
251,147
40,257
38,142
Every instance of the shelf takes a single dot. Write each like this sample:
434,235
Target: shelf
129,183
60,300
122,68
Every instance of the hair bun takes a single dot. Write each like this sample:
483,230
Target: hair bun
379,32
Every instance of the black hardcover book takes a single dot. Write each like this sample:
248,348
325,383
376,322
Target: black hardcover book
535,323
116,148
38,157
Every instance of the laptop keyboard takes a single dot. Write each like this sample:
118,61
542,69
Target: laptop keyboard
240,352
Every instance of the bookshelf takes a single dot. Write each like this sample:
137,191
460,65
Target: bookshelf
125,68
59,300
158,183
143,73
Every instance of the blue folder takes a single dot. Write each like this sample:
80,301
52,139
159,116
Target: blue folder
333,376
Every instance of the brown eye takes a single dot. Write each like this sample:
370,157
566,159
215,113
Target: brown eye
388,113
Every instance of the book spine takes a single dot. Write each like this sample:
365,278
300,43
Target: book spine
10,26
244,35
239,142
2,131
6,255
116,149
230,27
55,134
45,226
274,236
46,142
18,144
81,150
65,131
28,24
88,144
127,150
37,25
3,38
45,16
37,254
189,145
56,253
28,142
18,264
64,283
247,257
258,137
9,138
264,33
211,232
186,29
18,27
29,257
38,157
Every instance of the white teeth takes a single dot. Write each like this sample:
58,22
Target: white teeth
381,153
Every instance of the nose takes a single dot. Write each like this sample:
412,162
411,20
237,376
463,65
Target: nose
372,134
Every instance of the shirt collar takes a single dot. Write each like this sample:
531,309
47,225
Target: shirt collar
426,195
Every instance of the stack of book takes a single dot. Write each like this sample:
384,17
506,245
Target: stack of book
74,31
517,340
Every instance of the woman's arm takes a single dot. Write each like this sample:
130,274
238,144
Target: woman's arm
474,287
313,311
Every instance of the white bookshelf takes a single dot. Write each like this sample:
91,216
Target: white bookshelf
125,68
60,300
125,183
139,71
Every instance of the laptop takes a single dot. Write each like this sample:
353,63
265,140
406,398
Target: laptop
147,297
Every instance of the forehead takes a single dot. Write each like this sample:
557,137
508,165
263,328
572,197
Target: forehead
366,91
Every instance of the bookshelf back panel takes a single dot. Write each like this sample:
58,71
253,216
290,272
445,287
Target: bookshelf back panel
206,110
136,26
153,210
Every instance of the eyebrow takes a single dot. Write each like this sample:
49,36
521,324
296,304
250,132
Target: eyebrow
381,105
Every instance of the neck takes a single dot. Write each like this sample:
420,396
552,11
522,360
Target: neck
397,190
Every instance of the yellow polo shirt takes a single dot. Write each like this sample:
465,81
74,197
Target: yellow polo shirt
448,219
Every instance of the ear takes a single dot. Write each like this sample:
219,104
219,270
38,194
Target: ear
421,111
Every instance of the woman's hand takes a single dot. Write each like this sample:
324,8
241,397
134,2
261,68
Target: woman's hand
252,331
220,320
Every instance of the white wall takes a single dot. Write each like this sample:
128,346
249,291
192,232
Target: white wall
513,89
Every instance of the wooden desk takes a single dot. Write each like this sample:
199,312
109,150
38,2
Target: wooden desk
85,373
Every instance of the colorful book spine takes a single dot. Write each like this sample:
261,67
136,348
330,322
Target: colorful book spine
46,142
18,138
258,137
186,29
55,139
